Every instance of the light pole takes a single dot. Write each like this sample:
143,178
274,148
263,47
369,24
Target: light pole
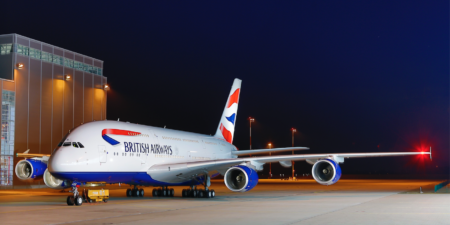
251,120
270,164
293,170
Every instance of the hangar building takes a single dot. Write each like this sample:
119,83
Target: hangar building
45,92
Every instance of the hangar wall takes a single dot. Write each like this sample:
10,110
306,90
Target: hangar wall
50,91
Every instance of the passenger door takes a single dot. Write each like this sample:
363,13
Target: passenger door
103,153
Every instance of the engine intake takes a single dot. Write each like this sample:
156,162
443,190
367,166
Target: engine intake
30,169
326,172
54,182
240,178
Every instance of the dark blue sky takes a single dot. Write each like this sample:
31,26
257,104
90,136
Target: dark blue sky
357,76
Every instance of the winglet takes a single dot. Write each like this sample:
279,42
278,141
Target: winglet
26,152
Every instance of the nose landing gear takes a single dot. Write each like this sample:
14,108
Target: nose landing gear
76,199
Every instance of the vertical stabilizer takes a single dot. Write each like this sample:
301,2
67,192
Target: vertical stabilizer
227,123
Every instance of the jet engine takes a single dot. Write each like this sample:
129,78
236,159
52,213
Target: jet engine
240,178
54,182
326,172
28,169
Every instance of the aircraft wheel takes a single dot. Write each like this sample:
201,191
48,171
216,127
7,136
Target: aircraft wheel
78,201
154,192
136,192
213,194
105,200
183,193
209,194
201,194
194,193
129,193
164,193
141,192
172,192
70,200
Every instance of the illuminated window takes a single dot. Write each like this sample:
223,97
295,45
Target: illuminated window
7,142
46,56
5,49
68,62
34,53
57,60
22,50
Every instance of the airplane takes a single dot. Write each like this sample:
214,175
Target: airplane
138,155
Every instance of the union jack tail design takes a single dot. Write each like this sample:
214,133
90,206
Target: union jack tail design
225,130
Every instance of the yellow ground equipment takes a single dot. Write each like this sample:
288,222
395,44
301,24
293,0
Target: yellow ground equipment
96,195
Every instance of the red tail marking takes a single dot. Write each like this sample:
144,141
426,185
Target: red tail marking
226,133
119,132
234,98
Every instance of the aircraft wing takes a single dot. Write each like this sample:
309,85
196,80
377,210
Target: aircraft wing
263,151
40,157
221,165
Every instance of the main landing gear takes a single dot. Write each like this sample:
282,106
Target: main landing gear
135,192
76,199
193,192
200,193
163,192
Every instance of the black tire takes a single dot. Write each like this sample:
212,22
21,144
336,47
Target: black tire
136,193
201,194
208,194
213,194
172,192
154,193
194,193
141,192
105,200
183,193
70,200
78,201
128,192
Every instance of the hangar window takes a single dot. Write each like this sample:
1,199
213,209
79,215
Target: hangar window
5,49
81,146
57,60
7,141
46,56
34,53
68,62
21,49
66,144
74,144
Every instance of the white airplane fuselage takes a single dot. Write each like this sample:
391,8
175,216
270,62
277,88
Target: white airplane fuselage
136,149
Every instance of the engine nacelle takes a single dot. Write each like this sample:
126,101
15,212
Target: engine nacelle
54,182
240,178
28,169
326,172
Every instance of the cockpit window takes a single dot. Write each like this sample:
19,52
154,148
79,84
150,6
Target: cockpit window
63,139
81,146
66,144
74,144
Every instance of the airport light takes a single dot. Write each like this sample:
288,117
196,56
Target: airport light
106,87
19,65
251,119
270,164
293,131
67,77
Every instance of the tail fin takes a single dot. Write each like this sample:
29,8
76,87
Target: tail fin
228,119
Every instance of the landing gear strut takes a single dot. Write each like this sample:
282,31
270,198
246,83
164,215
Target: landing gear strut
163,192
193,192
135,192
76,199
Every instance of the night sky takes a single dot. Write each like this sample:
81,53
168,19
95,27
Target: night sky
361,76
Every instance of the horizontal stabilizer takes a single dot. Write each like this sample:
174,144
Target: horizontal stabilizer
263,151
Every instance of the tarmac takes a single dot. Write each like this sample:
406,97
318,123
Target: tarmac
270,202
